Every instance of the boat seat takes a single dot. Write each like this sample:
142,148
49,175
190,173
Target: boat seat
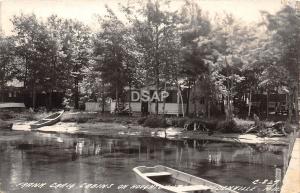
153,174
182,189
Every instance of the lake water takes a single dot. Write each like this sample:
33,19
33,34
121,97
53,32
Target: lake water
57,163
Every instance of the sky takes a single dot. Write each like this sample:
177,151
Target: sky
86,10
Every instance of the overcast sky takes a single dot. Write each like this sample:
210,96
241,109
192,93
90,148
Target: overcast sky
85,10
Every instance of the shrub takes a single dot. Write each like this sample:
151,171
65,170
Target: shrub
189,124
102,119
210,124
228,127
41,109
141,120
82,119
243,124
68,118
203,125
5,125
6,115
30,116
182,121
290,128
81,106
178,121
78,117
155,122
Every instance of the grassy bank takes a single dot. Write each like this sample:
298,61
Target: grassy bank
83,123
152,121
85,117
238,126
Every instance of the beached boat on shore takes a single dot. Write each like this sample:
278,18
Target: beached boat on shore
47,121
168,180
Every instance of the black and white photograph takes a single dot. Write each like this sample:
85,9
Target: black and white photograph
149,96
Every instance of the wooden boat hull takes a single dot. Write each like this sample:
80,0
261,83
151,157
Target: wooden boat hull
48,121
168,180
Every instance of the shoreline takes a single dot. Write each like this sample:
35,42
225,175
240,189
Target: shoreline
132,130
121,130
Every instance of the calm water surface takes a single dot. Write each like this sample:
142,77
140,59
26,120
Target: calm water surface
76,161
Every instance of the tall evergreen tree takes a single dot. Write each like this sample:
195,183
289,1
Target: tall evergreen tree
8,68
285,26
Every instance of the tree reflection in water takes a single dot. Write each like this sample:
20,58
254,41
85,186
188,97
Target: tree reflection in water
97,159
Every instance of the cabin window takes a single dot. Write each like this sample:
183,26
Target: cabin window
15,94
9,94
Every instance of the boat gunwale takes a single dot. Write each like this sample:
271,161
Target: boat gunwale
210,184
137,171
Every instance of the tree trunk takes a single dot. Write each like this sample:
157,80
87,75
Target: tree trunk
290,106
103,104
227,110
229,87
26,73
33,98
297,104
76,94
3,83
102,97
209,110
117,99
129,103
195,99
53,84
2,95
164,102
268,103
181,98
223,104
250,103
206,107
156,67
2,92
50,99
178,103
187,111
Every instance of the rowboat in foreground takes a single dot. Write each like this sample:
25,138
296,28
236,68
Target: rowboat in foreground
47,121
168,180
